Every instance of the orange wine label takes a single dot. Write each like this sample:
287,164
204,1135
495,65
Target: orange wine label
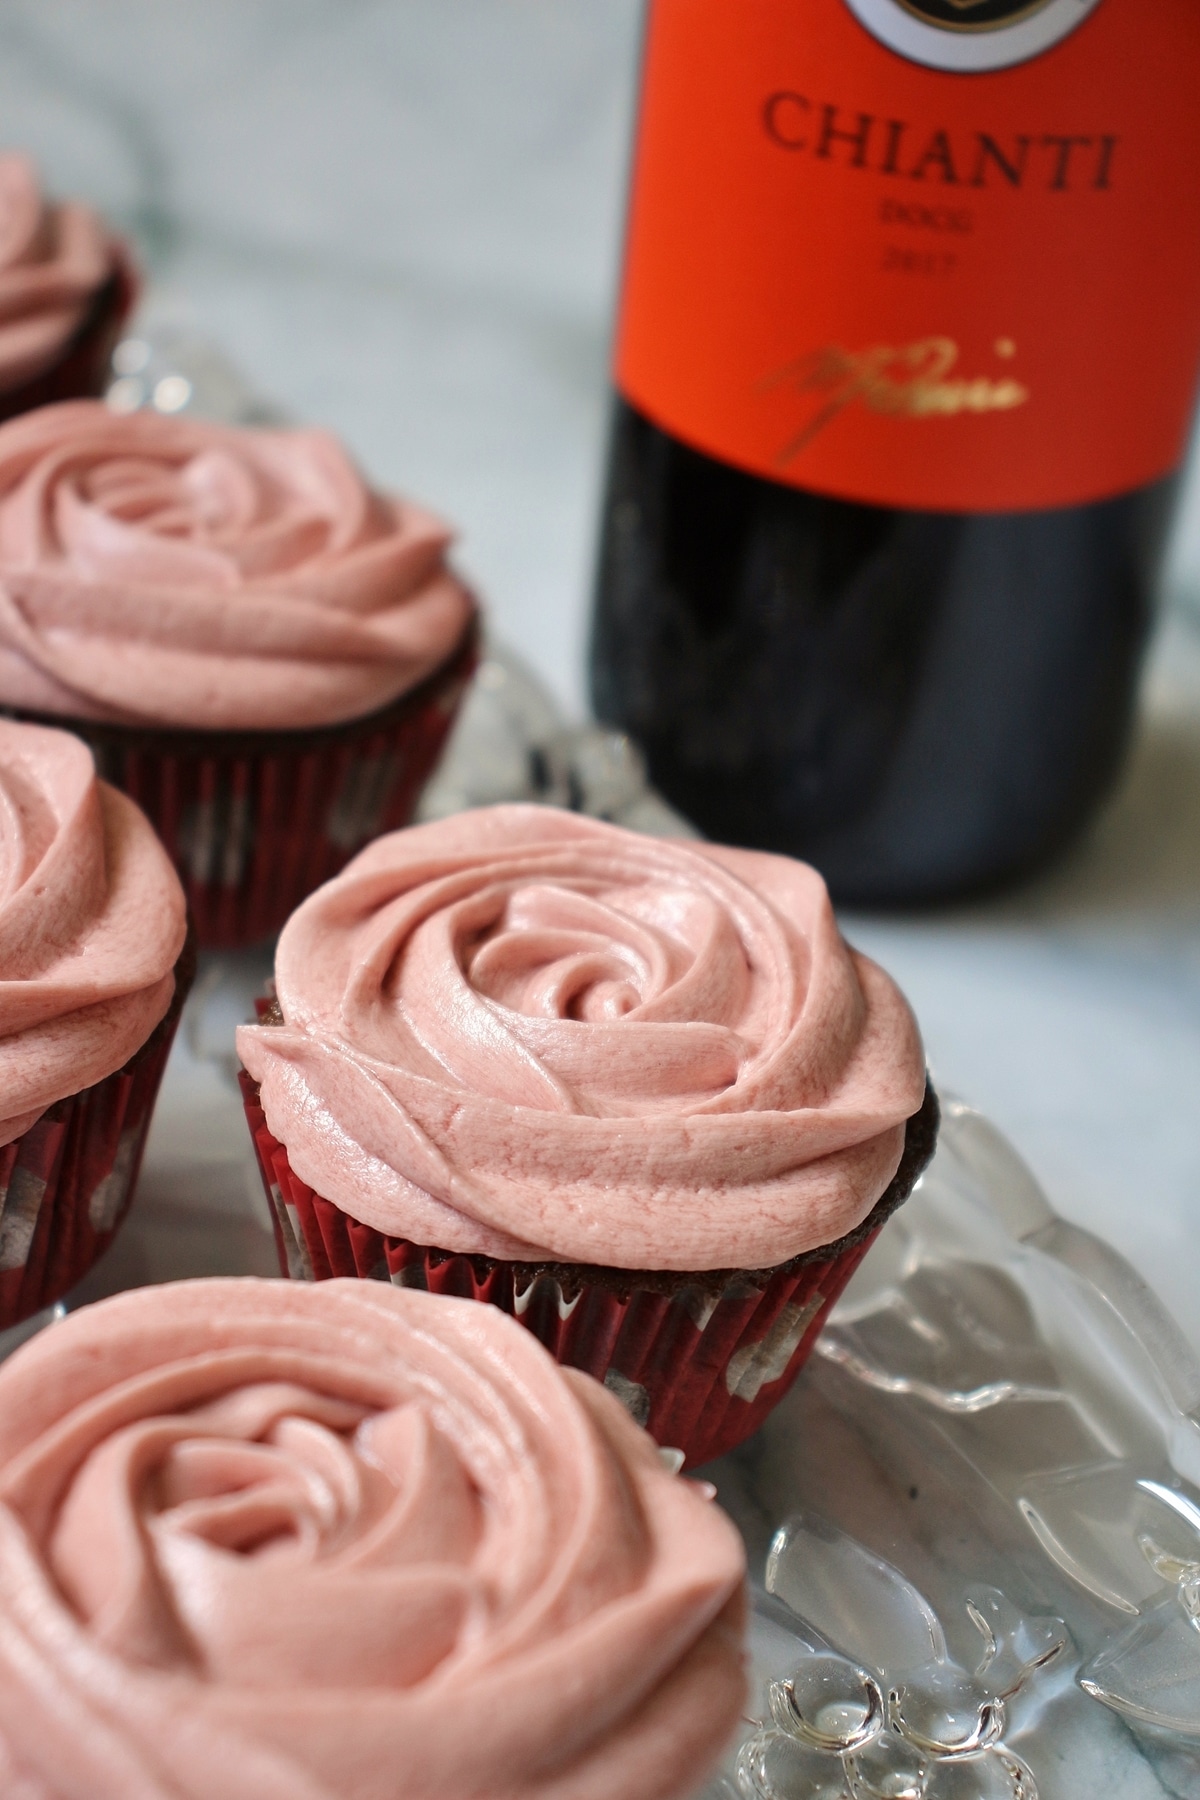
941,254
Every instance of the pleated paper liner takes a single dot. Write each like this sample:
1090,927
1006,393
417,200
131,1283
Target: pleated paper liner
66,1183
256,820
700,1360
81,372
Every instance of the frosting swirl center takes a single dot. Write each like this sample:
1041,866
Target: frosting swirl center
526,1034
288,1543
92,921
160,570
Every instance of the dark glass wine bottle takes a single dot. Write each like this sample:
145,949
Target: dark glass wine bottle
853,604
920,703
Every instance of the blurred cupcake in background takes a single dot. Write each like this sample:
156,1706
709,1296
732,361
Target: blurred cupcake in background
94,968
66,287
263,651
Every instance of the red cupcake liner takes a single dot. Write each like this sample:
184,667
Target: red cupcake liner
66,1182
82,371
255,821
699,1365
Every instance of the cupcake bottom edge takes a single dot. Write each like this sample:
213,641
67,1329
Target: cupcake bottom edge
67,1181
700,1365
255,821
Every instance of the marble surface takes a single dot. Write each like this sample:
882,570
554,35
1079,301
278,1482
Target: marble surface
402,217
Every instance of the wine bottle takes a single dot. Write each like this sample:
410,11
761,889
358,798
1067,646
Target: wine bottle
905,362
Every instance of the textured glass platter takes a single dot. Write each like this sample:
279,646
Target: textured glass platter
973,1526
975,1522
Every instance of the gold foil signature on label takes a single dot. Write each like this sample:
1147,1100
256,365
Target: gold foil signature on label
911,381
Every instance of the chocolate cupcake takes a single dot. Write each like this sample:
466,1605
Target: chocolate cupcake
638,1093
94,968
262,651
66,287
260,1542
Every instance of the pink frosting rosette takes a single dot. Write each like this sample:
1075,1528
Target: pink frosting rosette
92,922
534,1036
167,571
53,260
265,1542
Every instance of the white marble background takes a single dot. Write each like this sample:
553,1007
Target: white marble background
402,218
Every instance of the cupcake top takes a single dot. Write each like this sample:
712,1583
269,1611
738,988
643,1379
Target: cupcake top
527,1034
52,261
275,1542
92,920
166,571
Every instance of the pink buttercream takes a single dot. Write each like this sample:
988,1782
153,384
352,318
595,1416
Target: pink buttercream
92,920
167,571
527,1034
269,1542
53,260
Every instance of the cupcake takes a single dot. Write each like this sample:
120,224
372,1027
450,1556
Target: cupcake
638,1093
260,1542
260,650
66,287
94,969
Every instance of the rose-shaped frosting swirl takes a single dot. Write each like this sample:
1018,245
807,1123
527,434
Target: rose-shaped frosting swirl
270,1542
168,571
92,920
528,1034
53,259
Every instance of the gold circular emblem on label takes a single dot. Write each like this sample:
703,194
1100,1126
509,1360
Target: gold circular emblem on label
972,15
967,36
